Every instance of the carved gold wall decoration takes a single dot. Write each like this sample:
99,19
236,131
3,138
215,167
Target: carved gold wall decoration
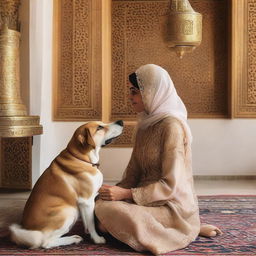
201,78
77,60
127,138
138,29
15,162
213,81
244,59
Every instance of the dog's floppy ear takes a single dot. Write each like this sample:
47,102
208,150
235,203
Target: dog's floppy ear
86,139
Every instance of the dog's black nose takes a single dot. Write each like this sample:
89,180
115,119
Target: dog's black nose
120,122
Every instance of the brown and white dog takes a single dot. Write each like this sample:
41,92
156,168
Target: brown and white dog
68,186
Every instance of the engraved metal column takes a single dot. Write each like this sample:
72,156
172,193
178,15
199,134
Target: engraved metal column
16,126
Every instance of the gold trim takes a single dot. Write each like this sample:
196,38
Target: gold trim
55,56
20,131
106,59
20,126
242,61
19,120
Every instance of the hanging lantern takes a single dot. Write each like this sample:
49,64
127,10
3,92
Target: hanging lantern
185,27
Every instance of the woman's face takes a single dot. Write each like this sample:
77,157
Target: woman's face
136,99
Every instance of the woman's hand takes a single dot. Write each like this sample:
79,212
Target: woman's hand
114,193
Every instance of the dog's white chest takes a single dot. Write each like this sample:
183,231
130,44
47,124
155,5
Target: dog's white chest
96,181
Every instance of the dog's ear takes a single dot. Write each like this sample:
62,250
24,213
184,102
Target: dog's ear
81,139
86,139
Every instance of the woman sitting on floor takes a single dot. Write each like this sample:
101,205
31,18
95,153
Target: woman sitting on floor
154,207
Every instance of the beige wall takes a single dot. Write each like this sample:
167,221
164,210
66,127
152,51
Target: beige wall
220,147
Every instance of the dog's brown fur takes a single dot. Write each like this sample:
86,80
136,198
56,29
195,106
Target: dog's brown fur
66,184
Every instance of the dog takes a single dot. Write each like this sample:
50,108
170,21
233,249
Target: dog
68,186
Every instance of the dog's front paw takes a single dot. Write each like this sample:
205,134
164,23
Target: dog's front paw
99,240
77,239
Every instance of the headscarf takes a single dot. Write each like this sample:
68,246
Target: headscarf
160,98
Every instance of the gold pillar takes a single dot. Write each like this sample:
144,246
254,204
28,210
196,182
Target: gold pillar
14,119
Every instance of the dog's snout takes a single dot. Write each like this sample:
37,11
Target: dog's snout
120,122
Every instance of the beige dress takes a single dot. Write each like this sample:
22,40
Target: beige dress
163,215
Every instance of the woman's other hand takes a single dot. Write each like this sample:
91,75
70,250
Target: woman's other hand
114,193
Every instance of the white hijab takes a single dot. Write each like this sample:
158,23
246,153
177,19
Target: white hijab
160,98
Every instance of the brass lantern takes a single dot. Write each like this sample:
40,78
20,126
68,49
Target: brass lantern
185,27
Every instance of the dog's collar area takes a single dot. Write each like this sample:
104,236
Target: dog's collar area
97,165
93,165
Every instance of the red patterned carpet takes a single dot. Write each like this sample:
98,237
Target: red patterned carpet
235,215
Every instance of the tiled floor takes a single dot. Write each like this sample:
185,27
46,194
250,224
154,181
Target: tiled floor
11,204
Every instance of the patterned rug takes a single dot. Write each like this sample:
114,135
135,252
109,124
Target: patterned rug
235,215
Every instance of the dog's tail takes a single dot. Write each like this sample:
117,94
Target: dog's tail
29,238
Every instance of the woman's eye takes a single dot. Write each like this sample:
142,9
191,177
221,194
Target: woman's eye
133,92
100,127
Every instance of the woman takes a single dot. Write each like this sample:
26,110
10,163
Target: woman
154,207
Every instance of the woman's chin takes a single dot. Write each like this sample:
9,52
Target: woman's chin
139,111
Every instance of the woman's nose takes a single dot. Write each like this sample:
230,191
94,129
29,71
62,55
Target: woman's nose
130,97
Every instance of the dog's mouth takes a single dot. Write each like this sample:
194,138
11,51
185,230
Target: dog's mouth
109,141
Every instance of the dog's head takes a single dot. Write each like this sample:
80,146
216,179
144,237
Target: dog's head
94,135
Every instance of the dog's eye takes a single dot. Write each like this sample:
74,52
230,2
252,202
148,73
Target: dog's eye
100,127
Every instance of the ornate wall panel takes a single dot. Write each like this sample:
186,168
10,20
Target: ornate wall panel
217,80
15,162
139,30
77,60
244,52
127,137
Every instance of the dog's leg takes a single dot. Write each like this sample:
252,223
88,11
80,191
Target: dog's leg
82,213
54,238
66,240
87,210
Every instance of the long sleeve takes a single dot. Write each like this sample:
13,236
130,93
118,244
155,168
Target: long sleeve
172,169
131,175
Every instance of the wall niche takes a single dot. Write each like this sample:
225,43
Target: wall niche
99,42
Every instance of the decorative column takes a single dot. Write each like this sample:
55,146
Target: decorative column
16,126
